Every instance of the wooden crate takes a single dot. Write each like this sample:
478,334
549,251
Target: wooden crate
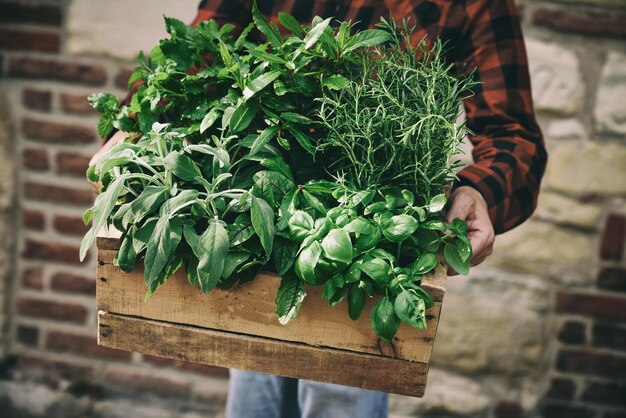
239,329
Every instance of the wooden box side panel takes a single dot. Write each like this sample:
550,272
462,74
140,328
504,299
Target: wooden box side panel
251,309
262,354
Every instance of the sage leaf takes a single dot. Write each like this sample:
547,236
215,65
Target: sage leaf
262,216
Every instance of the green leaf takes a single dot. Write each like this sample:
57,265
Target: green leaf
300,225
289,22
411,309
262,217
359,226
146,203
175,203
242,116
356,302
328,291
105,126
182,166
400,227
335,82
304,140
377,269
384,319
289,297
164,240
233,260
209,119
295,118
259,84
264,26
264,56
337,246
126,256
103,102
278,165
428,239
437,203
314,34
272,187
263,138
425,263
454,259
211,249
284,255
313,202
367,38
306,262
102,207
377,207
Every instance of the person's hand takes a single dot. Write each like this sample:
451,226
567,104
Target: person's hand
467,204
118,137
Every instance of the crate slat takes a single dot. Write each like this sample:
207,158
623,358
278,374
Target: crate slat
220,348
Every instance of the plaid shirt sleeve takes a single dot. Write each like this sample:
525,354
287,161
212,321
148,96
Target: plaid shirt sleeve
509,152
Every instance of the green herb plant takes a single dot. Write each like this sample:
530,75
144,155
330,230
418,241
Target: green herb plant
302,153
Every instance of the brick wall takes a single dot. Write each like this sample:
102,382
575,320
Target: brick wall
539,330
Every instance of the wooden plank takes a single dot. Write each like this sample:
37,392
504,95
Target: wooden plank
434,283
264,355
251,309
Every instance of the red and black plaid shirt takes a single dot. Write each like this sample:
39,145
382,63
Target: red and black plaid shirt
509,152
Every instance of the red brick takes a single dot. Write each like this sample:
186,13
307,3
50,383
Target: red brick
605,393
28,335
609,336
58,133
154,384
82,344
57,70
572,333
57,311
13,13
29,40
122,77
76,103
561,389
33,219
72,283
609,308
58,194
37,99
51,251
591,363
70,225
36,159
50,368
613,236
589,22
508,409
32,278
193,367
612,278
72,163
564,411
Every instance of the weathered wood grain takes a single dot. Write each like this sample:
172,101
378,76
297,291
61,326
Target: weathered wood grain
264,355
251,309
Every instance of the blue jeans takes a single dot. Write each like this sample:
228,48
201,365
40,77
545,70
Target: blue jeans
257,395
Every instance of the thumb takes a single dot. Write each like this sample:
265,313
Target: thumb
458,207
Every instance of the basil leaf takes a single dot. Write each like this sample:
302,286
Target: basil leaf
306,262
400,227
289,298
313,202
454,259
300,225
384,319
337,246
377,269
411,309
437,203
424,263
356,302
